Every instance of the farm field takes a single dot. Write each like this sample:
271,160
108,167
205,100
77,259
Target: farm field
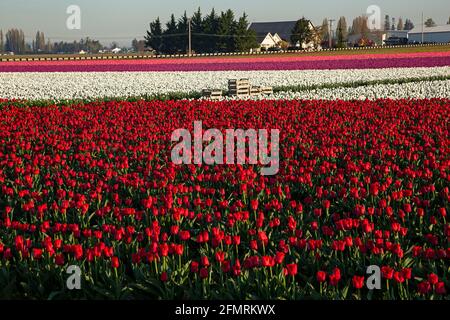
86,179
368,61
361,77
93,185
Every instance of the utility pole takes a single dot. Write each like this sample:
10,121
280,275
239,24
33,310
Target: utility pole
330,33
190,38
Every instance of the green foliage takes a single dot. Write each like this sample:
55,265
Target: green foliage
226,31
302,32
341,32
430,23
212,33
245,39
197,24
153,39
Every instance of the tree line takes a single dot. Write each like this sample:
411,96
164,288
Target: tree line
14,41
392,25
358,28
210,33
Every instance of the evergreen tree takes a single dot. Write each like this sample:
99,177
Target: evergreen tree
197,31
154,39
182,40
430,23
245,39
211,27
408,25
226,31
301,32
170,35
387,23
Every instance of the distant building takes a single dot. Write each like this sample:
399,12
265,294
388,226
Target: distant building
116,50
397,34
269,34
436,34
395,37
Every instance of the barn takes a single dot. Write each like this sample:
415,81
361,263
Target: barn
438,34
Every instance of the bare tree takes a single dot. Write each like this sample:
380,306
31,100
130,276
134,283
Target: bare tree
324,32
2,45
15,41
400,25
39,43
359,26
341,32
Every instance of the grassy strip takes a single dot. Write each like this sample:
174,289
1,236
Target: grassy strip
196,95
67,102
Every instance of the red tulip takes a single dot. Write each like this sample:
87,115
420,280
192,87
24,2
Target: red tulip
321,276
440,288
358,282
115,262
291,269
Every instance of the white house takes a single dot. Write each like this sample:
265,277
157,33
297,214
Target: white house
436,34
116,50
271,41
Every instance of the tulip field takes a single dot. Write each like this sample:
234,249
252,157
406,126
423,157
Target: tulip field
86,180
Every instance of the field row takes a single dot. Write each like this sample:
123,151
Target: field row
37,86
369,61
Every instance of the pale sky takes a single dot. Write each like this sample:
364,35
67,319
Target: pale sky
121,21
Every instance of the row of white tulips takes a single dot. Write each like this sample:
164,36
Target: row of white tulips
36,86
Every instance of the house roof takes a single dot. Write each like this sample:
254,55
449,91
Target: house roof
283,28
418,29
